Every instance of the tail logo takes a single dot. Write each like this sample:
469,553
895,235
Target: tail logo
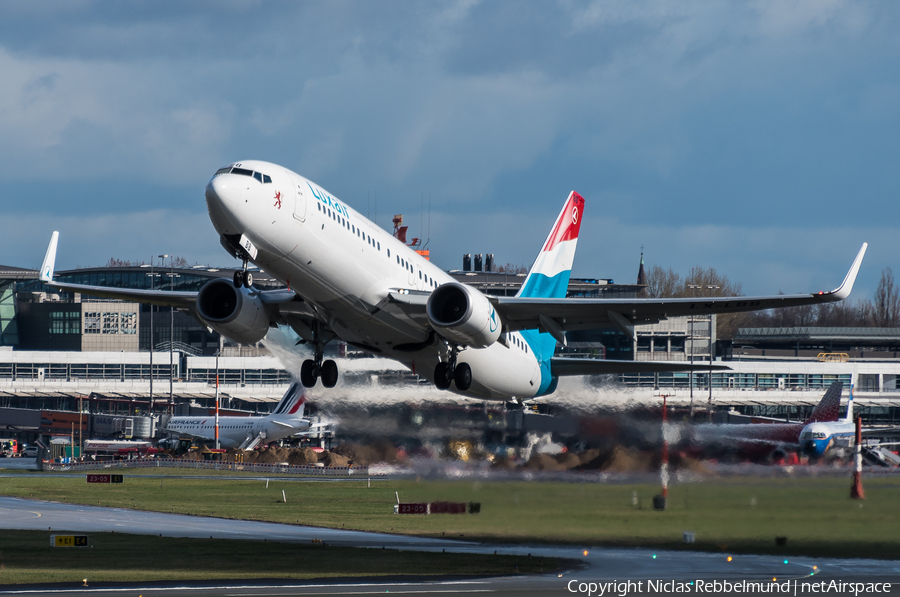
575,215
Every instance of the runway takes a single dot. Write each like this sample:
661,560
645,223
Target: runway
599,564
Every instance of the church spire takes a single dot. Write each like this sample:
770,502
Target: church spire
642,276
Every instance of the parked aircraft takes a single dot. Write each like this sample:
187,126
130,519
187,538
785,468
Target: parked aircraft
762,440
348,279
837,437
817,438
247,432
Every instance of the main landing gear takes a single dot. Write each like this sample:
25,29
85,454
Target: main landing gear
242,277
451,371
313,369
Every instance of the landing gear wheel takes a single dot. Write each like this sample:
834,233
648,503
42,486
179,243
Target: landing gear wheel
238,279
442,376
308,373
248,279
329,374
462,375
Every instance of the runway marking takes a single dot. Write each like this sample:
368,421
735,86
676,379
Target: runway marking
295,587
36,514
373,592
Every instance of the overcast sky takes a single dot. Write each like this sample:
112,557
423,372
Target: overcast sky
760,138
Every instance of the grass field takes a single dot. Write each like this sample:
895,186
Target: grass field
735,515
26,557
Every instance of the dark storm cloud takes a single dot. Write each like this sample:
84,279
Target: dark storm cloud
692,128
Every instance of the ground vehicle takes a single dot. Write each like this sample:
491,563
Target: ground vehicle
30,452
9,448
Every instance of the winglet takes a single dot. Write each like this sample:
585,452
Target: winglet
843,291
50,259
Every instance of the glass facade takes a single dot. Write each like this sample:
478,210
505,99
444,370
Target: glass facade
734,381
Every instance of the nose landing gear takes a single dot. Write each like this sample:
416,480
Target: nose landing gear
242,277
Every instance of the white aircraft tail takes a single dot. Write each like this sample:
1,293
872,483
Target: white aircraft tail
50,259
849,417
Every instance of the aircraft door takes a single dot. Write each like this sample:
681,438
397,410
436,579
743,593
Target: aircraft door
299,200
420,279
412,275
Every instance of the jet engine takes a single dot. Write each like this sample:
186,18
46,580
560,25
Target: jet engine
236,313
464,315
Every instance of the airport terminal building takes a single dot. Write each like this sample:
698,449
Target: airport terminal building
69,353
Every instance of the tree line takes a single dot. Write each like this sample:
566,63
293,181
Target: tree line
883,310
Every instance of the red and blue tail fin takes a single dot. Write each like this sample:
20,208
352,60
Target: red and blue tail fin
828,408
549,276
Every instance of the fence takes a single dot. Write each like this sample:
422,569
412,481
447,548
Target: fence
288,469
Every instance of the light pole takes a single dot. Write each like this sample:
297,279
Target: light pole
171,326
710,287
217,398
693,288
151,336
162,262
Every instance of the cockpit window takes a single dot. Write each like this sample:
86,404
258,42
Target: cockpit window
225,170
266,179
242,171
257,176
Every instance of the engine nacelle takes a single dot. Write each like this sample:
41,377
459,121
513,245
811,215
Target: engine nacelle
236,313
464,315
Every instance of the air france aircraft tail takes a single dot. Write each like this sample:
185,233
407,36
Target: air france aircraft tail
549,278
293,402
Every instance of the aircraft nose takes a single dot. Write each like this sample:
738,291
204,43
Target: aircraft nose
220,193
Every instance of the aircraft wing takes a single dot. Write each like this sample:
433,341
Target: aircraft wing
282,301
561,366
558,315
162,298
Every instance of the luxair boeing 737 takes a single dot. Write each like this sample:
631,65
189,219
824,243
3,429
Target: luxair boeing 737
347,279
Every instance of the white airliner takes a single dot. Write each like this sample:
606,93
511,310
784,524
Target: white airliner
247,432
348,279
821,438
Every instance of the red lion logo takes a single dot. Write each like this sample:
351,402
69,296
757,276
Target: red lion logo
278,199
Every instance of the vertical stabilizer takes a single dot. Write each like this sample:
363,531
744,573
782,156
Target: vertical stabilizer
849,417
293,402
549,276
828,409
50,259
